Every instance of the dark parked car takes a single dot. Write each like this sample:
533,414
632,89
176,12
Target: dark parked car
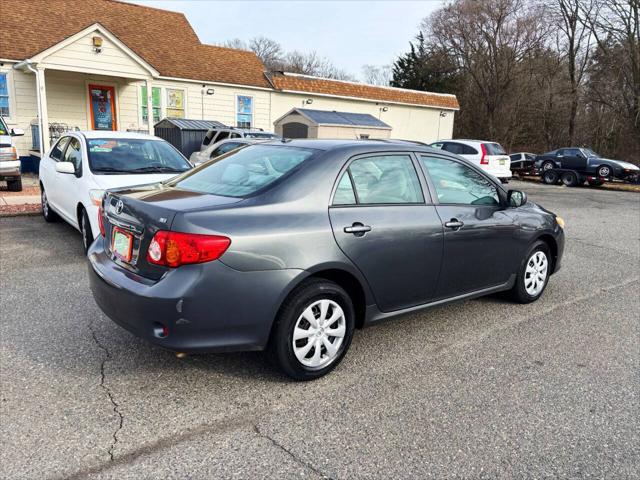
587,162
290,245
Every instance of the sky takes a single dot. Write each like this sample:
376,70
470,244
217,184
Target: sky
350,33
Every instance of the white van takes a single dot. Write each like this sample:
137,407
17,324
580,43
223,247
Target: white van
9,158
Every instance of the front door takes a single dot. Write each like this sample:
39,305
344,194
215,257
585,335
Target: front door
574,159
381,222
102,106
480,236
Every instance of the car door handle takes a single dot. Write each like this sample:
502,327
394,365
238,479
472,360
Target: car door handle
454,223
358,229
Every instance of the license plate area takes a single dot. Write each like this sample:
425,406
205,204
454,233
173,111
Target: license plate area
122,244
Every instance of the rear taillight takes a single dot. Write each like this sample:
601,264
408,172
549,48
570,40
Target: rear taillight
101,221
484,160
173,249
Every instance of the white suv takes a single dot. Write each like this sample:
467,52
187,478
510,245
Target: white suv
81,165
490,156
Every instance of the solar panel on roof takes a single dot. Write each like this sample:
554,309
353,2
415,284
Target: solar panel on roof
342,118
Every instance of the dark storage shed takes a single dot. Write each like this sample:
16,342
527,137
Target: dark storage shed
184,134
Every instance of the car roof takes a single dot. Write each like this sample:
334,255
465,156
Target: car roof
356,145
111,134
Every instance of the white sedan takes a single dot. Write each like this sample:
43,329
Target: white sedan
81,165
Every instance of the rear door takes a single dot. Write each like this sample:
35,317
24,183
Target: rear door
480,236
389,229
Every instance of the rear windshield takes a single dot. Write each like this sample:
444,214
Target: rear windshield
494,149
129,156
245,171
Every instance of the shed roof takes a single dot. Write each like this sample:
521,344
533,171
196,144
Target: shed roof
164,39
188,124
325,117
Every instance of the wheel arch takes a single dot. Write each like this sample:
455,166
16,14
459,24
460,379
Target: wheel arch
553,247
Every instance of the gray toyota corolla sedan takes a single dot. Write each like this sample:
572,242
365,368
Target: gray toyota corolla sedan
288,246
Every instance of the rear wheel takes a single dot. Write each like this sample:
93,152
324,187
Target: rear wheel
15,185
533,275
313,330
85,230
570,179
548,165
48,214
550,177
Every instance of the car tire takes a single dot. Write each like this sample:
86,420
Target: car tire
533,274
596,183
15,185
604,171
550,177
85,230
307,357
570,179
48,214
548,165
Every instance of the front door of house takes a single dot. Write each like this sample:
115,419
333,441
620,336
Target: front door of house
102,106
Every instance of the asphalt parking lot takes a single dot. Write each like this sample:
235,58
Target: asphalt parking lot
482,389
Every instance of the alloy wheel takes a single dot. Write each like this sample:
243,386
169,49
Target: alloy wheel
604,172
319,333
44,203
535,274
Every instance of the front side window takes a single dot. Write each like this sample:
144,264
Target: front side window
132,156
155,102
4,96
224,148
244,111
73,153
58,148
385,179
456,183
245,171
175,103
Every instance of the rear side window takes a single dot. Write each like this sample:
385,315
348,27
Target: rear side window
56,151
245,171
457,183
467,150
381,179
344,193
494,149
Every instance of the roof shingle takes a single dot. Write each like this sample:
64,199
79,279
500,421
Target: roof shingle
163,38
304,83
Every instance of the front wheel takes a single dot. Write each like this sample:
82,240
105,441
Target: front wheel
85,230
533,274
313,330
604,171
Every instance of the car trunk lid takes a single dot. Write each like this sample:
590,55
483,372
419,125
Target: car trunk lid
138,213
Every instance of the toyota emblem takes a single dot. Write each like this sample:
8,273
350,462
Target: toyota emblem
119,207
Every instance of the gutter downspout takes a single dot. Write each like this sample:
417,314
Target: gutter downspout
29,66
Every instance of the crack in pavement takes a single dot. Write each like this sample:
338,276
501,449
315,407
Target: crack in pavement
290,453
107,390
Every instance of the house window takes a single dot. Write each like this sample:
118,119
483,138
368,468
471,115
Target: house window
364,136
175,103
155,102
244,111
4,96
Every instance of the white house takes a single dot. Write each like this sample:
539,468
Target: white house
104,64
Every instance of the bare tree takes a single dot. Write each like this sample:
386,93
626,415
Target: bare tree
377,74
574,40
310,63
268,50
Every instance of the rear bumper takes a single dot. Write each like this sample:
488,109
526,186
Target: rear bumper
207,308
501,171
10,168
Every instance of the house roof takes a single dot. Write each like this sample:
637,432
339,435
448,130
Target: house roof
324,117
189,124
164,39
324,86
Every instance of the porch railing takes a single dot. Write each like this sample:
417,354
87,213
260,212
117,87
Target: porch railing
56,130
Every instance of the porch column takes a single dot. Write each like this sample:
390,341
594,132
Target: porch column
43,113
149,106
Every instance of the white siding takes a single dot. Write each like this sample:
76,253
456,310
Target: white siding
407,122
80,55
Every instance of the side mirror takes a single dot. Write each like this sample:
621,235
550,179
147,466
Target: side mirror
65,167
17,132
516,198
